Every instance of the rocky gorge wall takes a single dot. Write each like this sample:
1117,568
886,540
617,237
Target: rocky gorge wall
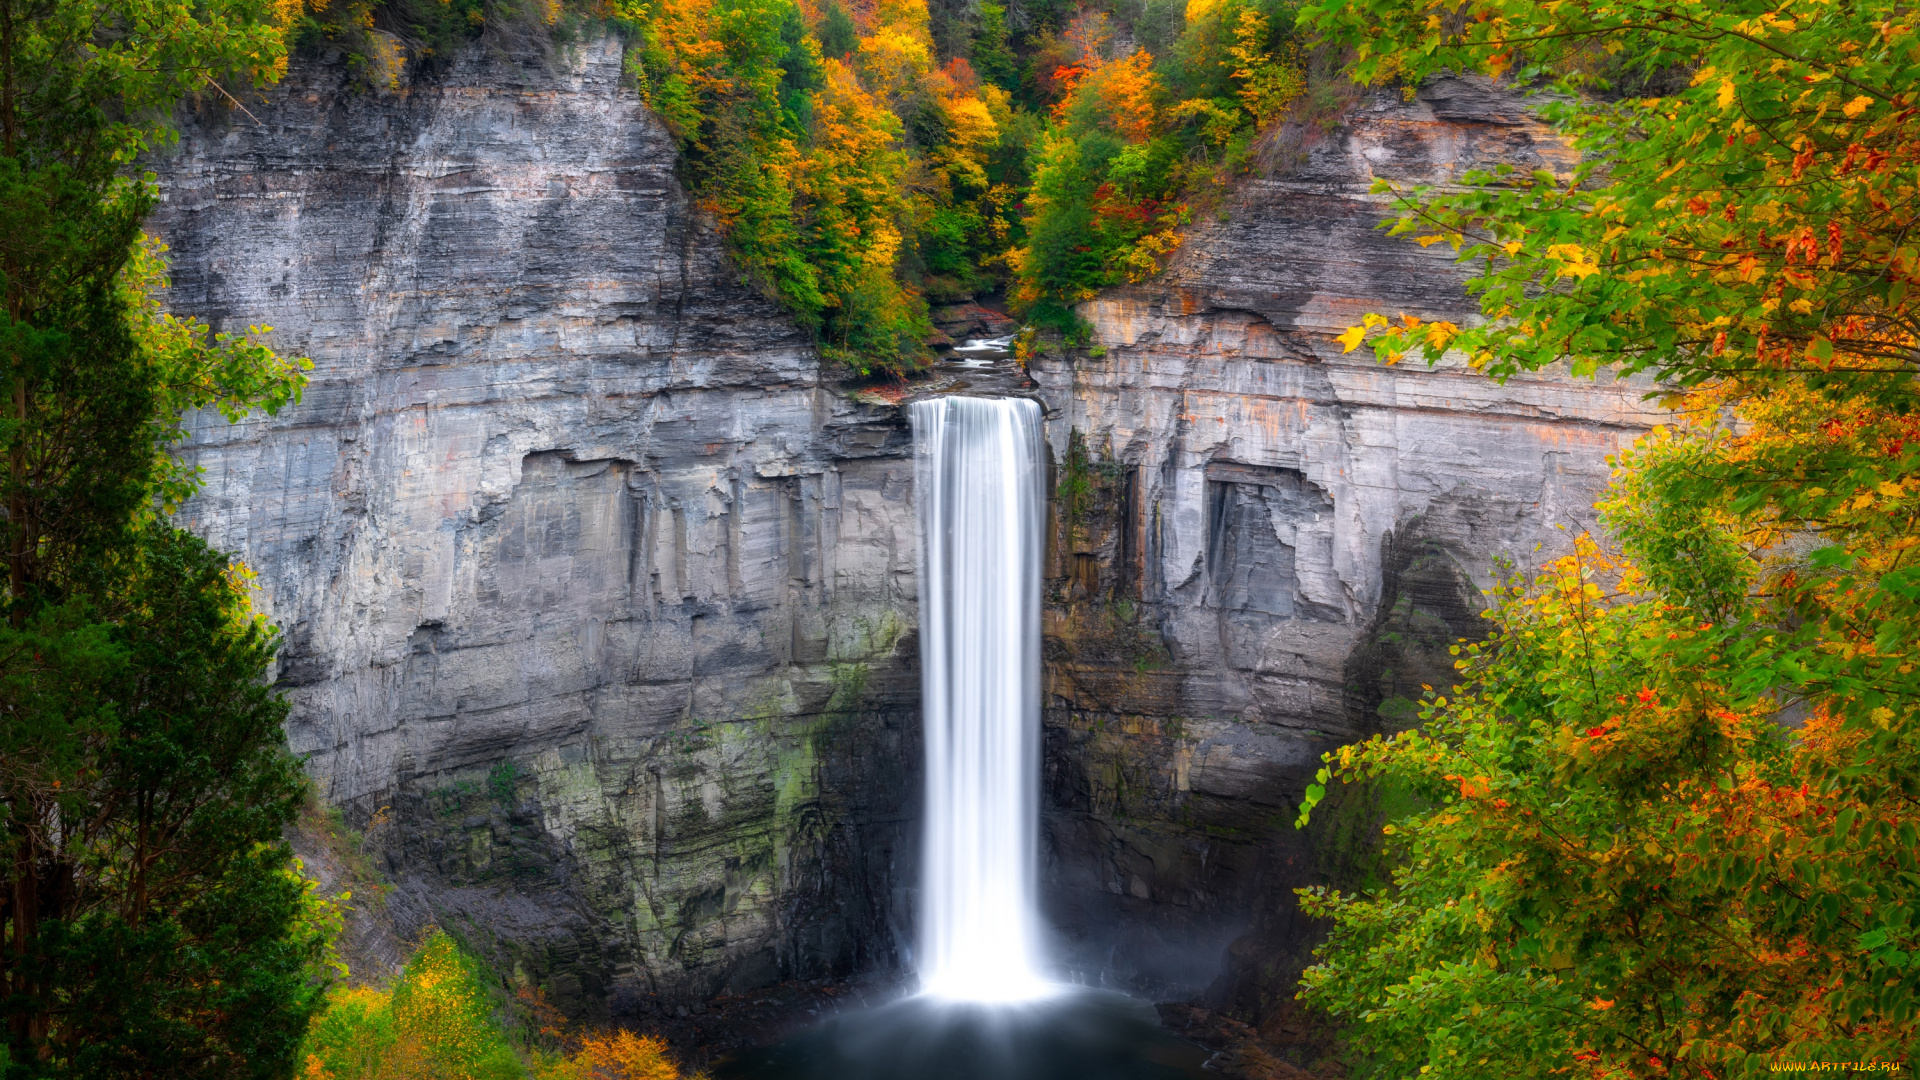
1274,542
598,605
599,597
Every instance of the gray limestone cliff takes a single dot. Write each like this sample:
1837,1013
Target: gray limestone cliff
1275,542
599,600
597,604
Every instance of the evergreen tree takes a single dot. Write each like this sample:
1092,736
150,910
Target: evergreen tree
152,922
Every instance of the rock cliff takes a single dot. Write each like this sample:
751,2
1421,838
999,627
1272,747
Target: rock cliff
1265,546
597,604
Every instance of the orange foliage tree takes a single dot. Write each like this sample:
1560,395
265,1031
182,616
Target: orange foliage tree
807,163
1675,803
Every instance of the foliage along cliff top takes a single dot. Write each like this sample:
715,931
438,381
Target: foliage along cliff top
867,157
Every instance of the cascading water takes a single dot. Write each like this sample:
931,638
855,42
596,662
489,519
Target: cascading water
978,475
978,484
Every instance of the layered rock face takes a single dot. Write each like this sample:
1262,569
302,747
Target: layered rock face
598,605
1266,545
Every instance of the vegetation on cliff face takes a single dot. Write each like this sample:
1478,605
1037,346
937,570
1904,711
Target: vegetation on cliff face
1672,826
848,180
858,173
1133,139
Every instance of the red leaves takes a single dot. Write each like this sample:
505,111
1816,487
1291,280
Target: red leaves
1059,84
1803,158
1477,787
1803,244
1111,205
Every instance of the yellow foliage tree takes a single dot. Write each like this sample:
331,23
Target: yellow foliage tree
621,1055
442,1021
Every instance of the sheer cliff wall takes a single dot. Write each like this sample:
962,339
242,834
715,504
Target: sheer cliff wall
599,603
1276,542
598,606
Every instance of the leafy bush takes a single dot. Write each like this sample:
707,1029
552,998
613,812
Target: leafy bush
443,1019
439,1021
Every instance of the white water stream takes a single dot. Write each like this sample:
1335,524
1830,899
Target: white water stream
979,485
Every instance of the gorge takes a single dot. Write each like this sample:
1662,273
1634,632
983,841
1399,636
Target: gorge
599,592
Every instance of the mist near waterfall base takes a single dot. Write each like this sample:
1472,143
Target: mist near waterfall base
986,1009
1077,1034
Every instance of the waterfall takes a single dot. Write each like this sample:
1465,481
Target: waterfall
979,479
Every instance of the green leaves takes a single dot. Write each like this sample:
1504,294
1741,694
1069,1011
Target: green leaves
142,767
145,740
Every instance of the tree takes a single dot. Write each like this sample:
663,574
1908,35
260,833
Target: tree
153,922
147,790
1673,802
992,54
796,137
1135,142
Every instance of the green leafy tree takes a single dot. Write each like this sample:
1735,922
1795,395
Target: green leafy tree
993,55
153,923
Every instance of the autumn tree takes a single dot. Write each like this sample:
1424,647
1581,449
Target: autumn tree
442,1019
1672,824
847,168
1133,139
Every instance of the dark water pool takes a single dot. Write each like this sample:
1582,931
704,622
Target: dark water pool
1076,1035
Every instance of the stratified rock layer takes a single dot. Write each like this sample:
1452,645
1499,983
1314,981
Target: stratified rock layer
1270,544
597,604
